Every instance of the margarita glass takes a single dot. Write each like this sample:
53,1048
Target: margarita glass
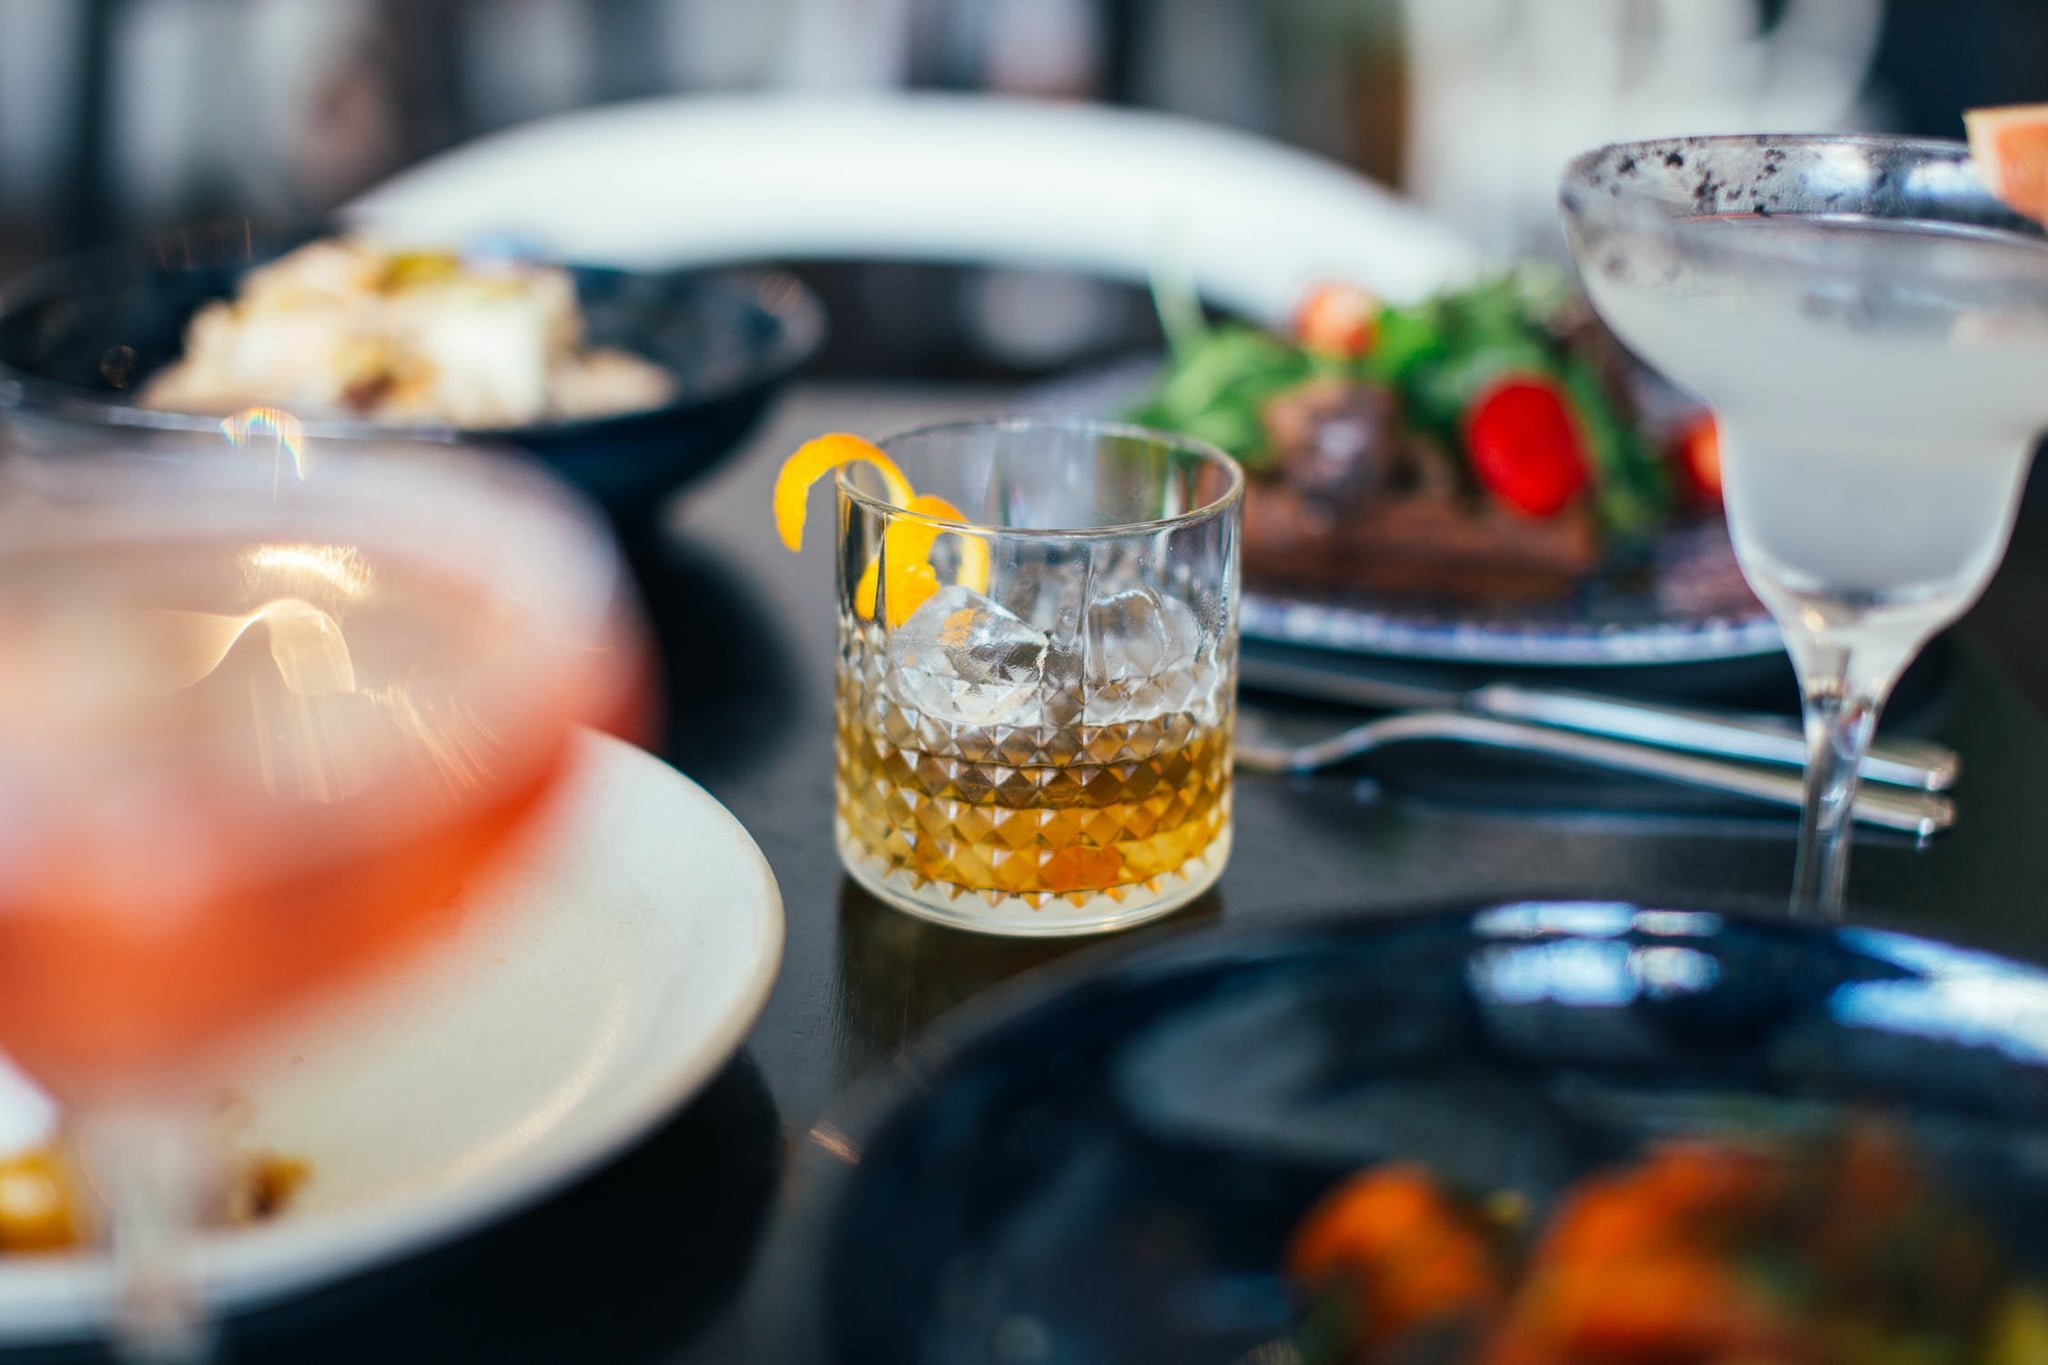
257,731
1870,327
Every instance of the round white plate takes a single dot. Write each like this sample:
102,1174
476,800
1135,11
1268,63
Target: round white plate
613,971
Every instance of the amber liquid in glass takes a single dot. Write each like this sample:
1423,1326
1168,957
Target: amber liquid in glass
1112,810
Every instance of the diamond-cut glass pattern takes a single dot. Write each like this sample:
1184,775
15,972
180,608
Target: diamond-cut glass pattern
1079,812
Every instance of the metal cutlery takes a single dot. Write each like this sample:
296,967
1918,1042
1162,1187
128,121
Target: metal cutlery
1918,812
1721,734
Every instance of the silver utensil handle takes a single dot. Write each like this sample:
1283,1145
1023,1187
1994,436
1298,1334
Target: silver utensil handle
1916,812
1761,739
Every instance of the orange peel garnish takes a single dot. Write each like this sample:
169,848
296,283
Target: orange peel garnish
906,544
907,549
815,459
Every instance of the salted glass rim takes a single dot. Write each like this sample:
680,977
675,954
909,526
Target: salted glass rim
1595,189
1232,494
1584,168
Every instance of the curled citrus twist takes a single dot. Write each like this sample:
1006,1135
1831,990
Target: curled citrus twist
902,575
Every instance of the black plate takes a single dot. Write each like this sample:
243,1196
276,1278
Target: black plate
78,336
1110,1171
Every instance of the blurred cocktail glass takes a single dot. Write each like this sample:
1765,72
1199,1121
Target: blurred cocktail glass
1035,700
258,727
1871,328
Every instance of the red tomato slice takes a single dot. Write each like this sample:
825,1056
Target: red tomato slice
1526,446
1700,448
1338,320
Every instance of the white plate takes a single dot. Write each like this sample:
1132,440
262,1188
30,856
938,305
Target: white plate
618,967
922,176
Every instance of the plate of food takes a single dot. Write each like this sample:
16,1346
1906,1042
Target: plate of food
627,384
1482,477
601,981
1534,1132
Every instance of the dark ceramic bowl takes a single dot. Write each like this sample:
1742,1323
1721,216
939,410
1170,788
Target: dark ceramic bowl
1109,1170
79,336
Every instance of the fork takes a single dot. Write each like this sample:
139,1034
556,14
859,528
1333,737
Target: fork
1714,732
1914,811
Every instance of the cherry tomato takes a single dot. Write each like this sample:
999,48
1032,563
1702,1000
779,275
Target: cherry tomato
1340,320
1699,449
1526,446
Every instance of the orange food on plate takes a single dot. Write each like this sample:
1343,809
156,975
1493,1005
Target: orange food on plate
47,1202
2009,145
1410,1256
1831,1249
40,1209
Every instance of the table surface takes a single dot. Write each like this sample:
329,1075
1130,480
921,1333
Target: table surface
653,1258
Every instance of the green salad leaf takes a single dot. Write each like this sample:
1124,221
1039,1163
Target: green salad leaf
1438,355
1632,488
1216,389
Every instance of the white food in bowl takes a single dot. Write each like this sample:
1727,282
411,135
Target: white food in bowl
346,328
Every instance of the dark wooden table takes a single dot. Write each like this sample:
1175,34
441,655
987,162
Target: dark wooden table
652,1259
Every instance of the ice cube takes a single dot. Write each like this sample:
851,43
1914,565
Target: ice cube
965,658
1142,651
1048,593
1139,633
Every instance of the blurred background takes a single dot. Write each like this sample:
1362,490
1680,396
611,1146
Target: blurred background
120,117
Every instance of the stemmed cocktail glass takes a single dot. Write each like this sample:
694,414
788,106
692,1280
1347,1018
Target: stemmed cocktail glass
1871,328
258,727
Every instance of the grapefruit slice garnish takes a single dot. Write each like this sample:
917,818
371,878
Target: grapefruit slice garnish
2009,145
906,544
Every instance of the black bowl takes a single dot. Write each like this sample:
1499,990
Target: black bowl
1110,1169
79,336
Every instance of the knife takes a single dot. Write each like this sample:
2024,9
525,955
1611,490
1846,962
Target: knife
1757,738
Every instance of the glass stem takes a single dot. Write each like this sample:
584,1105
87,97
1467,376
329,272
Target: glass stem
1840,718
150,1167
